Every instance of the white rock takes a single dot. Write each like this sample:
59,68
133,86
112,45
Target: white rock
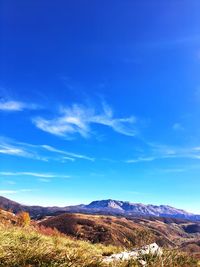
152,249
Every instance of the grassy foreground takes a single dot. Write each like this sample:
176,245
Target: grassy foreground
27,246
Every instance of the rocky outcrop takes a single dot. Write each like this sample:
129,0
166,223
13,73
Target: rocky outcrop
136,254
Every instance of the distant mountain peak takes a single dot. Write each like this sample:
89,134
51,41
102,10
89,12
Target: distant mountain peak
107,206
108,203
129,208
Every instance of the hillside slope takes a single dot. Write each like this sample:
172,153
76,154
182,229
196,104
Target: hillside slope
36,245
129,233
29,247
101,229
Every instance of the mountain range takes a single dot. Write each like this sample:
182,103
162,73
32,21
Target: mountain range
107,207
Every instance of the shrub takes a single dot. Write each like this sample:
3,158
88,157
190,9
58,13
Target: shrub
23,219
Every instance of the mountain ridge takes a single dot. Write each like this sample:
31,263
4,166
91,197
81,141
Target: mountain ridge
108,206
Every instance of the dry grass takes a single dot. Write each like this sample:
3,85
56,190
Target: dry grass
28,247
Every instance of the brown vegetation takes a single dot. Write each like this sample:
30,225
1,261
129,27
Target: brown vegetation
101,229
23,218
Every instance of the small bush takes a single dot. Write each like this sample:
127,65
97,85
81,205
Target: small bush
23,219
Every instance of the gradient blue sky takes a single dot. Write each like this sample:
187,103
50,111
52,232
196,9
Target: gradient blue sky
100,99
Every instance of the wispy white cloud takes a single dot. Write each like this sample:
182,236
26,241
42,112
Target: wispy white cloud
140,159
38,152
11,105
69,155
34,174
12,150
158,152
15,149
11,192
68,158
79,120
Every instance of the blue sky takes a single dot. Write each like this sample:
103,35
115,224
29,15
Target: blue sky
100,99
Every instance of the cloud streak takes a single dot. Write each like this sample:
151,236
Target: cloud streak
38,152
12,150
11,105
11,192
34,174
70,156
159,152
140,159
9,147
78,120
